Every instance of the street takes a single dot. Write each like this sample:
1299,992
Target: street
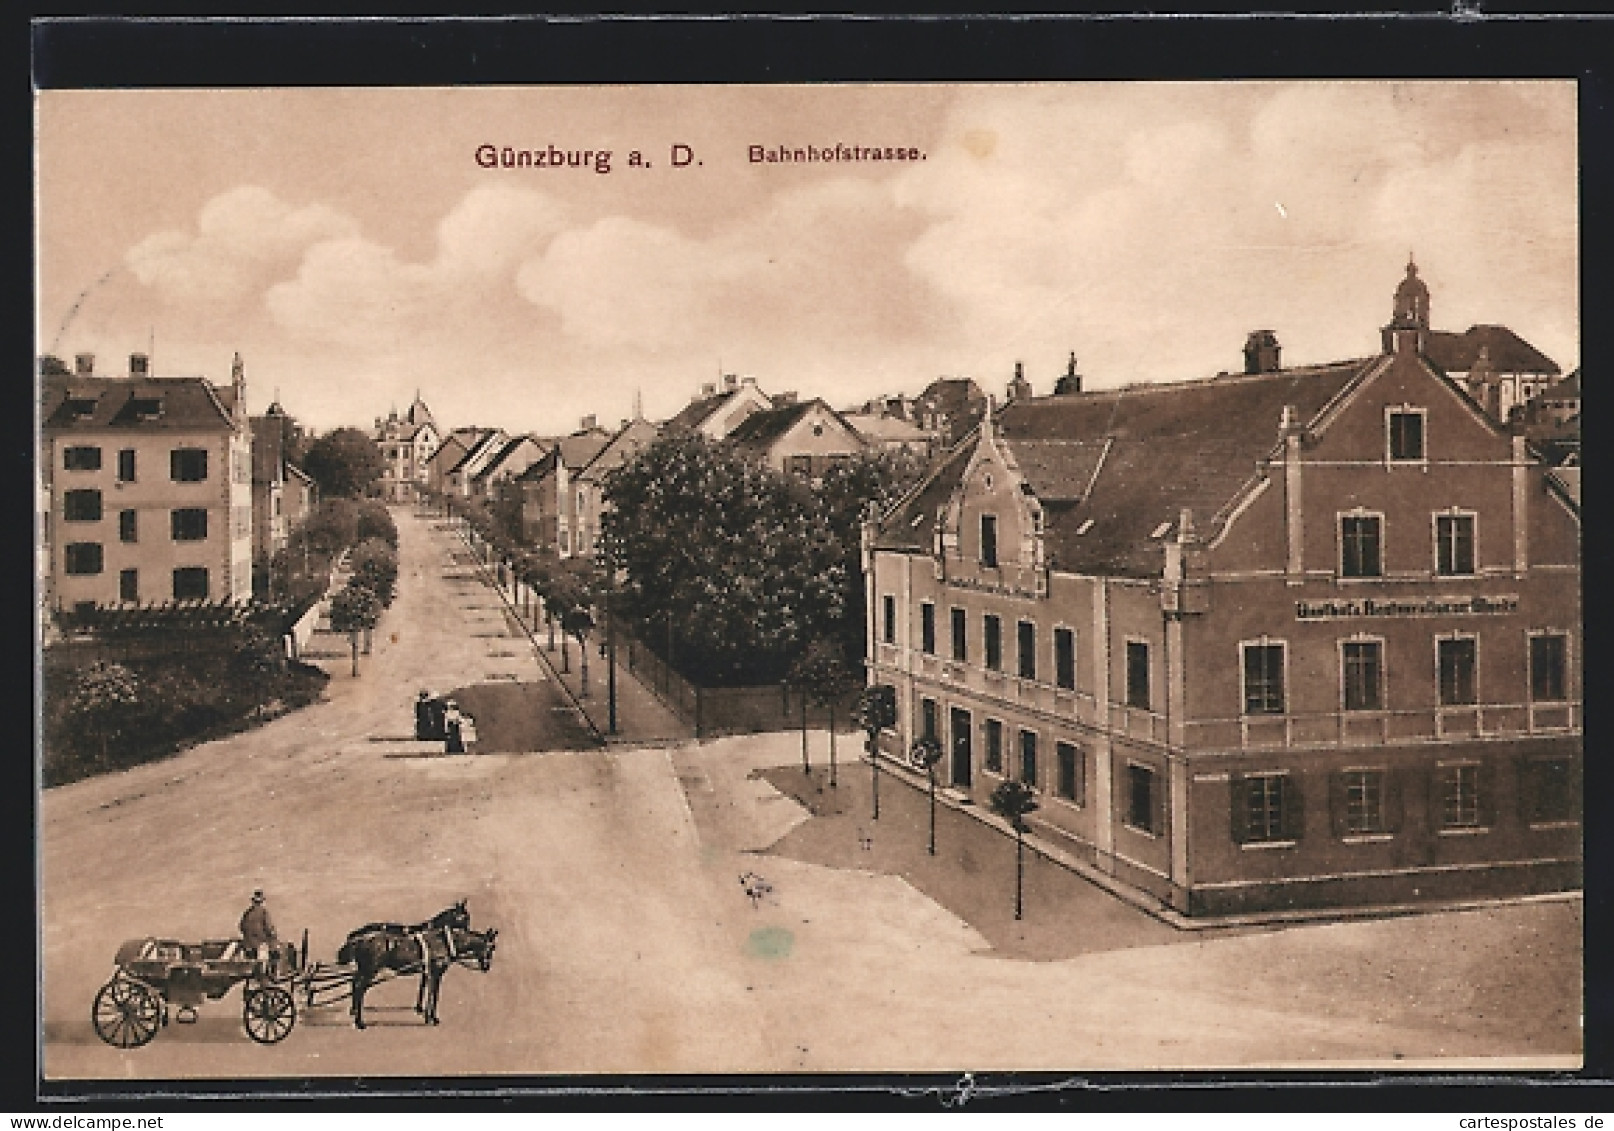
628,941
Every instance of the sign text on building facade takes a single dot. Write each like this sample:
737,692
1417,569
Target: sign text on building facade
1339,609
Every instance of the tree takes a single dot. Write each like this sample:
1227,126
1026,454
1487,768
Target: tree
332,527
375,566
1012,800
374,520
821,674
733,559
104,700
925,753
354,609
344,463
875,711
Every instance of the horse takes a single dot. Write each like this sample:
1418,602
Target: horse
429,952
456,916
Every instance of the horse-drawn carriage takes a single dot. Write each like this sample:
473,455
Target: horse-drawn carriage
157,980
155,975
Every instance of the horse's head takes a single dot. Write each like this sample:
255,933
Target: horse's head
477,945
457,917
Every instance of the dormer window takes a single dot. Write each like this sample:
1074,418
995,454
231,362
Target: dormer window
146,408
989,540
1405,434
81,406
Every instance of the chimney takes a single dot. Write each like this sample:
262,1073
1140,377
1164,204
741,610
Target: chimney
1261,352
708,390
730,381
139,365
1018,388
786,398
1071,382
84,365
590,422
748,380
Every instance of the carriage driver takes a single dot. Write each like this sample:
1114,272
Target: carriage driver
257,929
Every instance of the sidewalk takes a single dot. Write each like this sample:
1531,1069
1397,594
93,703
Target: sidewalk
642,719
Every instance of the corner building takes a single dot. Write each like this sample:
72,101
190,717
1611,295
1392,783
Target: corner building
1305,637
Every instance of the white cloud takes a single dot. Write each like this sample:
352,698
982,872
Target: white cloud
244,239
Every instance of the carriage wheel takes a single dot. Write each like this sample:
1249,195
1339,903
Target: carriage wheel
126,1014
268,1014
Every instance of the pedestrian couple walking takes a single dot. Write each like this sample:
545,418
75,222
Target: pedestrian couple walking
438,719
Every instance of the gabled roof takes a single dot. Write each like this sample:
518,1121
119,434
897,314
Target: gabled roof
761,430
478,451
1130,459
1507,352
511,446
295,472
185,403
574,452
622,447
698,412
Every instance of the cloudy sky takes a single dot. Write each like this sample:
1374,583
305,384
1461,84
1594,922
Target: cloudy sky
350,246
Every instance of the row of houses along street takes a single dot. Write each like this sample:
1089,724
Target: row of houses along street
1276,639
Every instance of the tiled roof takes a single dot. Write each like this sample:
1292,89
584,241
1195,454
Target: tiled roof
622,447
697,412
186,403
504,453
1509,353
878,426
1131,459
761,429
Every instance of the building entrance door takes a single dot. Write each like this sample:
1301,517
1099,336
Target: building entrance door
961,747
